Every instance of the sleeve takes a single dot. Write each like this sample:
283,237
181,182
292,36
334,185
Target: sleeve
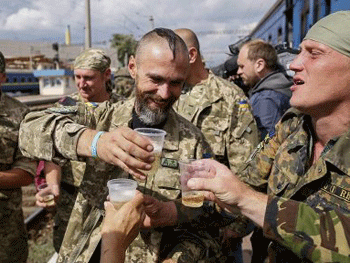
243,134
319,234
53,134
266,111
26,164
256,170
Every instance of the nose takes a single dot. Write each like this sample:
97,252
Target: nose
164,91
297,64
239,71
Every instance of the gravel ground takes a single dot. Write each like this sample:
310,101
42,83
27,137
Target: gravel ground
40,241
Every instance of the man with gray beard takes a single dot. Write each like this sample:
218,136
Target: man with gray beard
106,133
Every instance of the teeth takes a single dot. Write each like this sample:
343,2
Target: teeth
299,82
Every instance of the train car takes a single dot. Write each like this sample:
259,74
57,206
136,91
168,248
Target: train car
288,21
20,81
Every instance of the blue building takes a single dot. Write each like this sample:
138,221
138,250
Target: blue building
287,21
20,81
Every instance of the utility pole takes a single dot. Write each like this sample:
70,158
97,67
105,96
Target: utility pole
87,25
151,20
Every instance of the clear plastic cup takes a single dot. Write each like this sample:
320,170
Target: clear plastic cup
157,137
121,191
46,192
188,170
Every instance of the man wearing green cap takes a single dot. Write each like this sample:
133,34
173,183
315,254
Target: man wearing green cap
92,75
15,171
305,166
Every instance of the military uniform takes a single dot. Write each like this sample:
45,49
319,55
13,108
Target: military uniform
183,141
13,236
221,111
72,174
308,211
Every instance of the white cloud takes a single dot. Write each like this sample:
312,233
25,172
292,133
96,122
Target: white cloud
38,19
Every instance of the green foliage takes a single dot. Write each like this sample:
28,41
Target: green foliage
125,45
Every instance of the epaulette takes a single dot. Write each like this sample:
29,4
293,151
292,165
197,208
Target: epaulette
63,110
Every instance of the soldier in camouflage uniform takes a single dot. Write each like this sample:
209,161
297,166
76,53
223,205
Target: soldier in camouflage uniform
92,77
305,166
221,110
15,171
62,133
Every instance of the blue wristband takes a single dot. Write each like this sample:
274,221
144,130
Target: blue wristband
94,144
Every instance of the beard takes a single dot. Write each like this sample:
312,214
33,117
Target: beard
148,115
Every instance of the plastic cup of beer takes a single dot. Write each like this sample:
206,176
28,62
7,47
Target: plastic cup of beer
121,191
188,170
46,192
156,136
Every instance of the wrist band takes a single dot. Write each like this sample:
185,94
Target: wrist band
94,144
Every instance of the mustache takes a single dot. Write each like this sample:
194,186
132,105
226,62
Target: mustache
158,98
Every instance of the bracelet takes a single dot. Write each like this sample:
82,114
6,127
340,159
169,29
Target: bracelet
94,144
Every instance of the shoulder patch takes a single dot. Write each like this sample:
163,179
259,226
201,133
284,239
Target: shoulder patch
63,110
170,163
243,104
91,104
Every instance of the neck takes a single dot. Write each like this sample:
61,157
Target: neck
197,73
328,127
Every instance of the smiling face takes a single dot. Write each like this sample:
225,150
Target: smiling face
159,79
91,84
321,80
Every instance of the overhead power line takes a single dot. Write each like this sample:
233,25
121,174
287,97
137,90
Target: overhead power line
223,32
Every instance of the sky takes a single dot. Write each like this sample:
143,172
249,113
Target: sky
47,20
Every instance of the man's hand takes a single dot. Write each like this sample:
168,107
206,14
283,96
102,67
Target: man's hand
123,147
230,193
120,227
159,213
53,189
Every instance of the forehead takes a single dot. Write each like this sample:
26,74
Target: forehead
243,54
86,72
161,56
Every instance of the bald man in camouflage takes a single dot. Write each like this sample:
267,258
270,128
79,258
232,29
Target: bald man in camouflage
15,171
92,75
221,110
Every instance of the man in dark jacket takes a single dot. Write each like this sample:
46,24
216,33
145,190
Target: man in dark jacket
269,88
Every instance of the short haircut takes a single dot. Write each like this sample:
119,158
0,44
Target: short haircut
175,42
260,49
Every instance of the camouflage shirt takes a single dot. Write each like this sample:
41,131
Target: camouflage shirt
183,141
72,174
13,245
308,210
221,110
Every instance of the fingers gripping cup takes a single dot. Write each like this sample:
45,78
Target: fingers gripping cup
188,170
121,191
156,136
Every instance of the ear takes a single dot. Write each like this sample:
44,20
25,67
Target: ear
107,73
260,65
193,54
132,67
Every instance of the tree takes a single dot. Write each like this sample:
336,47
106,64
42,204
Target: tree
125,45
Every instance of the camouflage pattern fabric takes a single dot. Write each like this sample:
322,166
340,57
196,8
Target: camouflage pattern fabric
308,211
13,236
221,111
83,232
123,84
92,58
72,175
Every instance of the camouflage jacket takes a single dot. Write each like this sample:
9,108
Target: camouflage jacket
13,236
221,110
183,141
308,211
73,171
